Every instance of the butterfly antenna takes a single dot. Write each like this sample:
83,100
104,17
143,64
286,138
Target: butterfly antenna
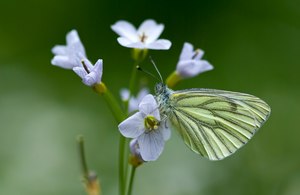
152,61
147,72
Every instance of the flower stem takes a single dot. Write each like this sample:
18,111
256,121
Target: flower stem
131,180
119,116
114,106
122,182
173,79
139,56
84,167
91,181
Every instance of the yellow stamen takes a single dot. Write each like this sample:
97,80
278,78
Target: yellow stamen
143,37
197,51
151,123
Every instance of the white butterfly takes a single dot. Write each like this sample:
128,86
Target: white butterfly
212,123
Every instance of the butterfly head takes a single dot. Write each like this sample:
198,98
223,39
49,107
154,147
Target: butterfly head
160,88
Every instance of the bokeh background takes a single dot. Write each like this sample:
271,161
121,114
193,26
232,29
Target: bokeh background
254,46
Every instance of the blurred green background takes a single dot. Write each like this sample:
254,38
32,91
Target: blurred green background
254,46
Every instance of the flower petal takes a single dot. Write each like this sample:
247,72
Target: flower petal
151,30
205,66
72,37
98,69
151,145
148,106
165,131
80,71
133,126
187,68
128,43
142,93
90,79
134,147
186,52
134,102
126,30
74,44
191,68
161,44
63,62
59,50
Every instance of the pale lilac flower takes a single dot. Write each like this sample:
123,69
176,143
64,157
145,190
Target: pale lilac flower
133,102
190,63
145,37
146,126
70,55
125,94
135,149
90,74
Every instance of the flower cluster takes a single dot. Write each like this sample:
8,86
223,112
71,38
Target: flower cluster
72,56
145,127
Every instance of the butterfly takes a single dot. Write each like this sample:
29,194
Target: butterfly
212,123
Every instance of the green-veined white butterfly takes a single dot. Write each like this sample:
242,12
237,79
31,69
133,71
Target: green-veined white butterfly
212,123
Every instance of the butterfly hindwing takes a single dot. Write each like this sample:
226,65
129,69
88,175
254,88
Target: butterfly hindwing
215,123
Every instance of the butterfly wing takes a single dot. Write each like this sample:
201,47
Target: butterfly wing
216,123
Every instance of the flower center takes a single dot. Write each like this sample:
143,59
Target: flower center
143,37
151,123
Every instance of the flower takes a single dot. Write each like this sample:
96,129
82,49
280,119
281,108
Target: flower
70,55
145,37
135,158
134,102
190,63
91,75
146,126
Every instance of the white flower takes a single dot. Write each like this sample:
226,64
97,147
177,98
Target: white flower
125,94
135,150
70,55
146,126
190,63
145,37
134,102
91,75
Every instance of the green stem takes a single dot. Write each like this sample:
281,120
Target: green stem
131,83
119,116
84,167
131,180
122,181
114,106
138,56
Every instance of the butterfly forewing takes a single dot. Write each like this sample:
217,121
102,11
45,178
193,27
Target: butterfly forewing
215,123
